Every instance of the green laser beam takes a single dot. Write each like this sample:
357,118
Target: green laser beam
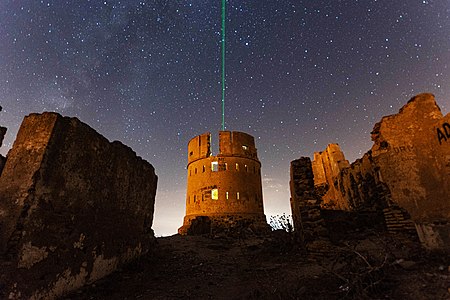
223,64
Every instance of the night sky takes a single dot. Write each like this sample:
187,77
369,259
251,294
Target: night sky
300,75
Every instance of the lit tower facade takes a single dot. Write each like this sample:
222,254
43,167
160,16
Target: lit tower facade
224,189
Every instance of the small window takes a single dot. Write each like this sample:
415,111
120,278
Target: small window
226,166
214,166
214,194
226,195
204,169
246,168
254,169
195,198
191,153
244,147
190,172
237,167
195,170
237,195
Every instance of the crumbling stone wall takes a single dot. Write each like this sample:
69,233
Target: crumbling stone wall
327,166
305,202
73,208
406,174
412,152
2,158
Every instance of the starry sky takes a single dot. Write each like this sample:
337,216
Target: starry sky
299,75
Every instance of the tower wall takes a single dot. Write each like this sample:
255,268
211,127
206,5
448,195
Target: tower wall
226,187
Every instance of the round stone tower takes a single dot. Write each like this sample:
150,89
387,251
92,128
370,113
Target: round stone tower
223,191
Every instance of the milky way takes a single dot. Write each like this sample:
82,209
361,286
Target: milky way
300,75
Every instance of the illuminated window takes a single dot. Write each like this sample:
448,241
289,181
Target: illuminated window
237,195
246,168
215,194
226,194
214,166
226,166
244,147
237,167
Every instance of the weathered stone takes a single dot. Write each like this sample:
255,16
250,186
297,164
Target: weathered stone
226,188
305,203
411,141
73,208
406,264
417,142
347,187
2,158
327,166
406,174
199,226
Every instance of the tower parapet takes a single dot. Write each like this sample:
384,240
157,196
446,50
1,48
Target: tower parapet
224,189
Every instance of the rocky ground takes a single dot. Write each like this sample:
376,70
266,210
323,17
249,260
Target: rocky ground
369,266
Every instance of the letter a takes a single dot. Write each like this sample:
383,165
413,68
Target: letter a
447,129
441,136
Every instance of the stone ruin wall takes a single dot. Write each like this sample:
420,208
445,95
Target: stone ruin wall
413,142
73,208
305,202
326,167
2,158
350,187
406,174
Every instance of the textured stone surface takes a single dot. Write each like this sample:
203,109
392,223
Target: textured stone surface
409,140
327,166
73,207
305,203
412,152
406,174
226,187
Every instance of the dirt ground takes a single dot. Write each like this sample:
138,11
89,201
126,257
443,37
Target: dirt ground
273,267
